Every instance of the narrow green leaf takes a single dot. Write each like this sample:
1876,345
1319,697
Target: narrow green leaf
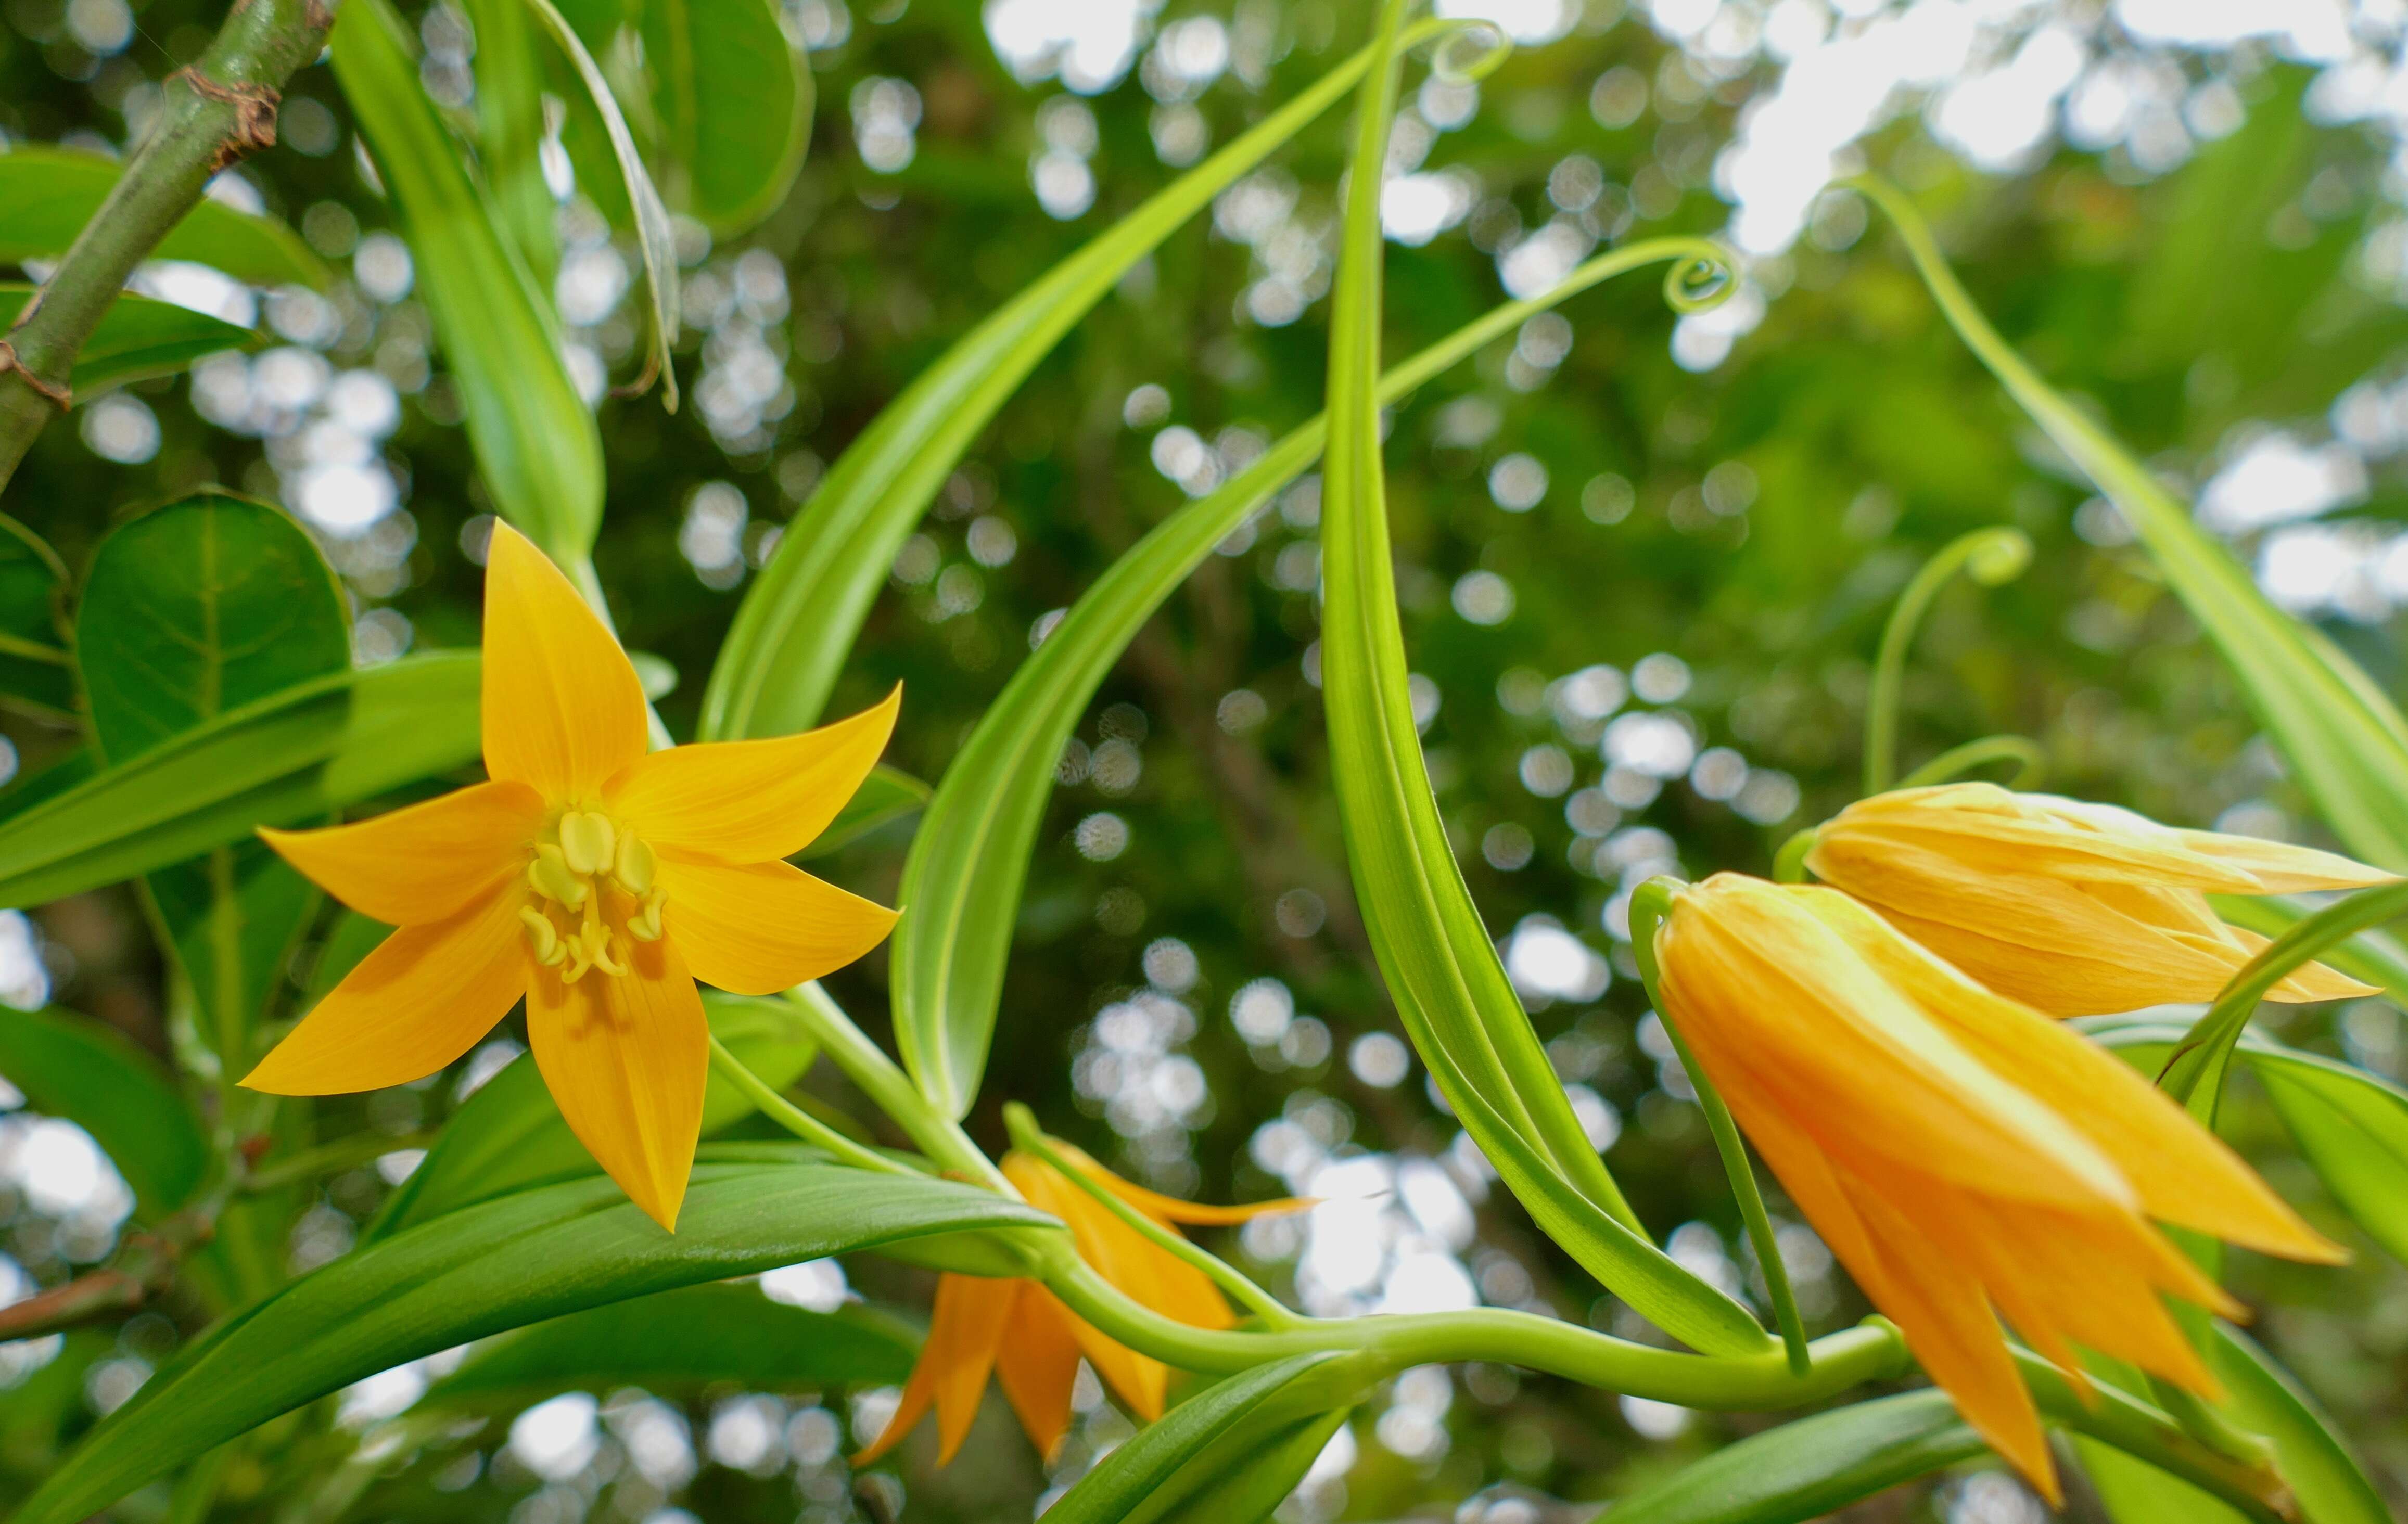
2371,955
295,756
511,132
732,95
138,337
2261,1397
1179,1460
36,674
969,859
538,1255
1816,1466
52,193
656,240
2136,1492
536,444
72,1066
2345,740
1441,965
677,1343
511,1136
799,618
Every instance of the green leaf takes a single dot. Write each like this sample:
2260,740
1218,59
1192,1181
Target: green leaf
2344,738
1214,1457
1439,961
969,859
799,618
732,95
52,193
197,608
536,1255
138,337
72,1066
36,674
511,132
2373,957
677,1343
509,1134
886,795
536,446
656,240
292,757
2136,1492
1812,1467
2260,1397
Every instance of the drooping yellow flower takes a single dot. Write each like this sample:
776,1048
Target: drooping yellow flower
1964,1155
594,878
2079,910
1031,1343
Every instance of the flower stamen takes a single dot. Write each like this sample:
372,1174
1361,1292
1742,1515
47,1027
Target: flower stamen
589,858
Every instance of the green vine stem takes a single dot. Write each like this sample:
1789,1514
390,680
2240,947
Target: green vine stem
1649,905
891,1090
1789,863
1990,556
2025,752
795,1120
1030,1138
2112,1416
2194,1075
215,111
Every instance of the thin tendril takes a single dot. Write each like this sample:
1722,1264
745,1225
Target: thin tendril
2031,765
1989,556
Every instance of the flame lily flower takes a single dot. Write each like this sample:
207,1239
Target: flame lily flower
1963,1155
594,878
1031,1343
2076,908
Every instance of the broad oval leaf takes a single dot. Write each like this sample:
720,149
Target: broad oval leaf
1439,963
138,337
679,1342
1178,1467
71,1066
192,609
536,446
1812,1467
732,99
799,618
52,193
969,859
538,1255
511,1136
294,756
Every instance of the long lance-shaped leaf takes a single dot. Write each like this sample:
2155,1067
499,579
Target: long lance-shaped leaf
2376,958
290,757
1441,965
795,624
526,1258
969,860
2345,740
1812,1467
656,240
536,446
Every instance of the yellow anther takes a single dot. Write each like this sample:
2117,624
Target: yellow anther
555,879
588,841
548,950
645,926
635,866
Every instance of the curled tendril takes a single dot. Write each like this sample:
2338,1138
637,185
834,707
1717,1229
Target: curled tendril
1453,60
1700,281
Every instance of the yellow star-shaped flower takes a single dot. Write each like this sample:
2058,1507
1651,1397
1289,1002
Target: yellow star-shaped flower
594,878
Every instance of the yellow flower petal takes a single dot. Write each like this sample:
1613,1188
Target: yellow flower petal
1038,1366
2283,868
764,927
625,1057
415,1003
424,863
1122,1257
562,707
752,801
